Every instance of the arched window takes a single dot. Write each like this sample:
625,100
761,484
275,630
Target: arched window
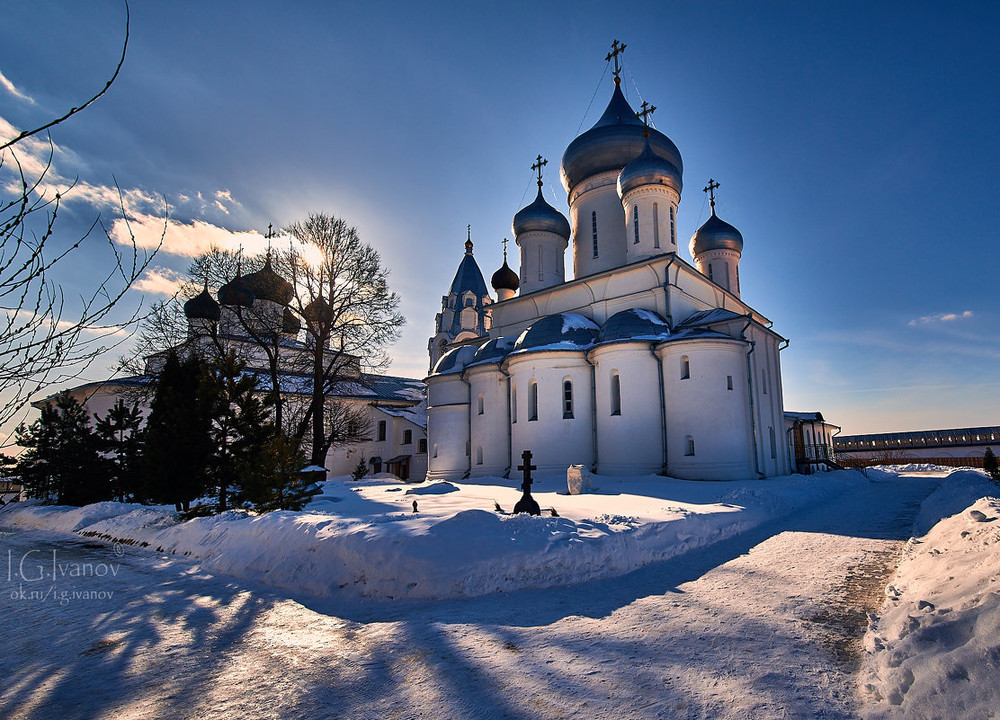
635,223
729,382
710,273
774,445
381,429
481,406
407,437
656,225
616,394
479,456
513,403
689,445
593,222
435,454
673,227
567,399
685,368
533,401
763,381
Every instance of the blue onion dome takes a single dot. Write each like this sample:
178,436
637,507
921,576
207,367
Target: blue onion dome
235,293
562,331
614,141
290,323
716,234
505,278
455,360
649,169
634,324
493,350
318,313
266,284
202,307
539,216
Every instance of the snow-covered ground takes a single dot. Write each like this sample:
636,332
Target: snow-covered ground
934,650
364,538
762,616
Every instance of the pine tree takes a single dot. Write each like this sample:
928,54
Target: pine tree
178,449
990,466
120,434
62,462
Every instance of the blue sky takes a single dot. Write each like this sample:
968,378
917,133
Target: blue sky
856,145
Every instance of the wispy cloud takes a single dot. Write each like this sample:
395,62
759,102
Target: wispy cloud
186,239
9,87
940,318
160,281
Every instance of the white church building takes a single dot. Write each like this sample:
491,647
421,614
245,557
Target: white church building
643,362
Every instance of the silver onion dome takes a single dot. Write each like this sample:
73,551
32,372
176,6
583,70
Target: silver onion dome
539,216
716,234
613,142
634,324
649,169
562,331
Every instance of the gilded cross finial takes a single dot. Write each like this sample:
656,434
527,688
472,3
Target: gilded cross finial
537,165
468,238
617,49
710,189
646,111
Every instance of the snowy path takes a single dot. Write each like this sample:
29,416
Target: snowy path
764,625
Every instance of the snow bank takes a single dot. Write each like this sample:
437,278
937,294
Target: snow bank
934,651
363,539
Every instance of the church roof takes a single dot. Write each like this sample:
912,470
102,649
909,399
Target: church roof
539,216
236,293
493,351
708,317
469,277
612,143
562,331
633,324
455,360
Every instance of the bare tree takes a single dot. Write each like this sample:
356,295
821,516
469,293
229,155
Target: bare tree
342,293
45,337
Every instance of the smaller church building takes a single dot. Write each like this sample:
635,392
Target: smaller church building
643,362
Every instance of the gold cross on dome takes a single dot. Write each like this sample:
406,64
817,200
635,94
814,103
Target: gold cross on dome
537,165
710,189
617,49
647,110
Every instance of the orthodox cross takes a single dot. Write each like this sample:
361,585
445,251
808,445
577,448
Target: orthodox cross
527,504
270,234
468,238
537,165
647,110
617,49
710,189
505,249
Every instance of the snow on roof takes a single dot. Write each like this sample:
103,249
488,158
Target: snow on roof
416,415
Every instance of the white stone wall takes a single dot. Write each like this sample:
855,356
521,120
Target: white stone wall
555,442
631,442
702,411
489,428
447,427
